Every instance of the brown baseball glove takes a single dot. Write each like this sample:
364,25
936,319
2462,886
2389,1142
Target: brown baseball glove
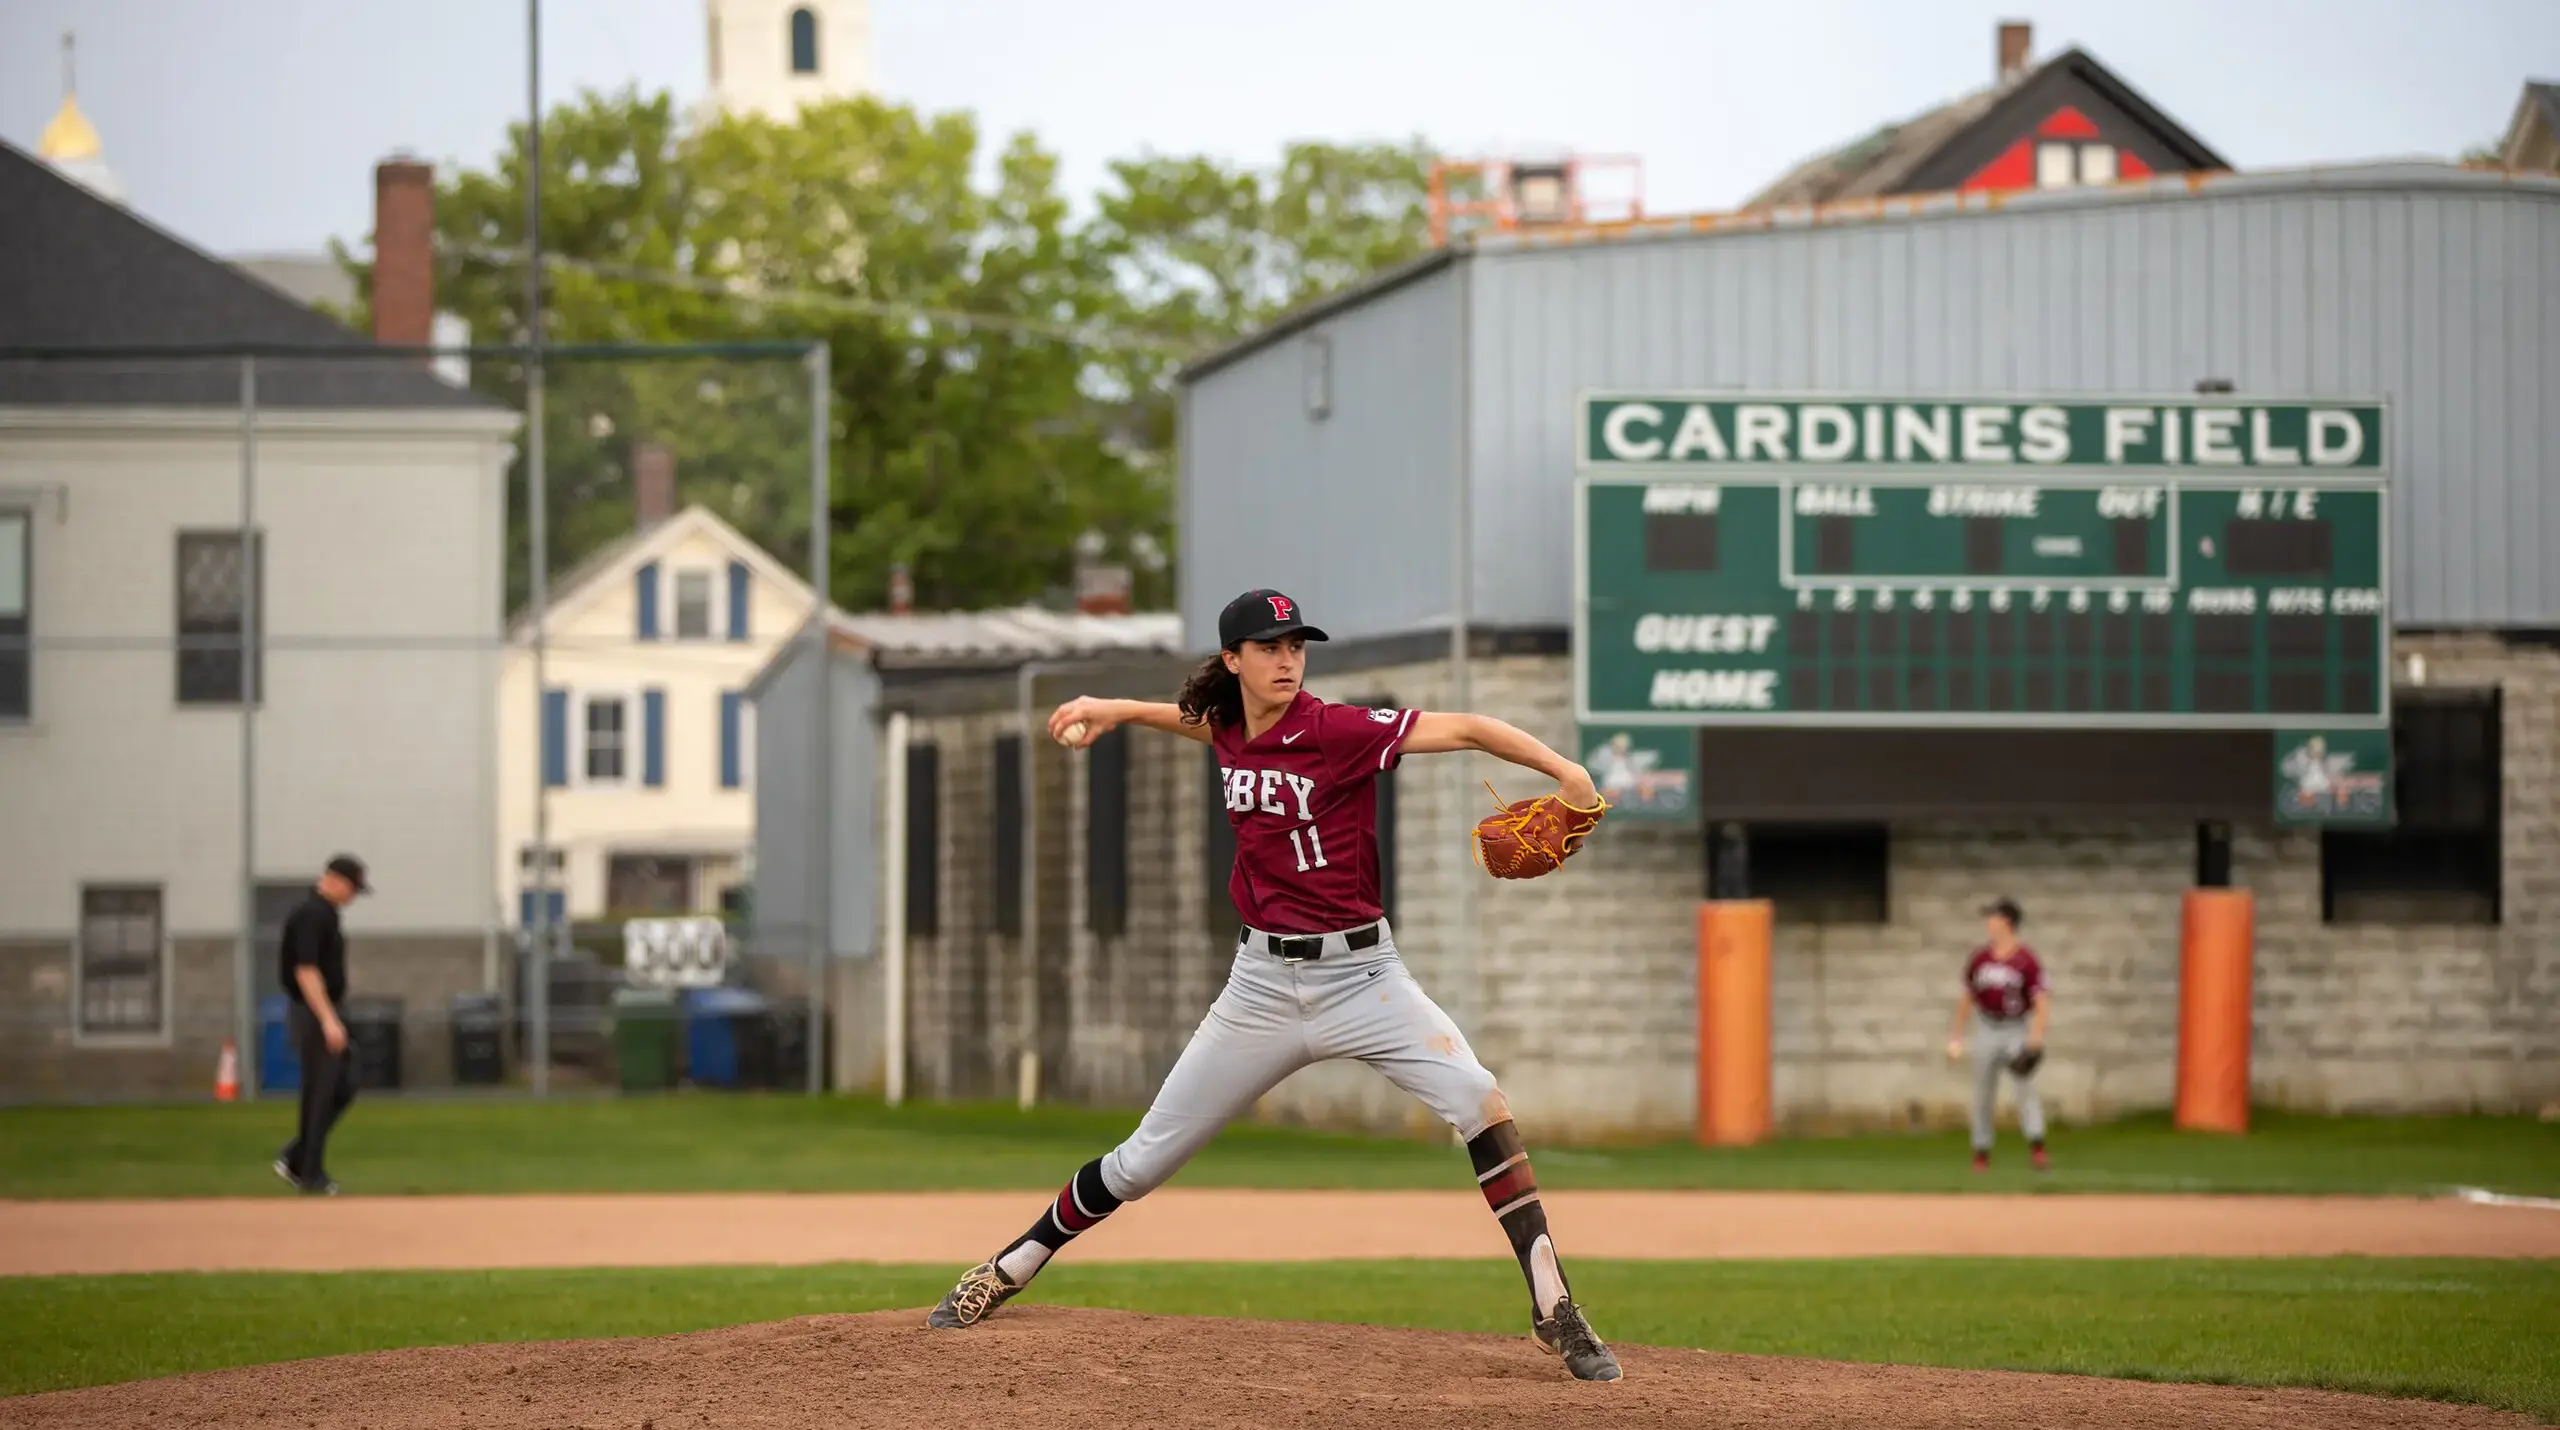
1530,837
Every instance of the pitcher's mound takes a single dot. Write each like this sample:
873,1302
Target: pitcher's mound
1042,1366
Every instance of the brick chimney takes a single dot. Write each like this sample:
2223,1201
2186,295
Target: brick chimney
902,591
1102,590
2017,37
404,252
653,483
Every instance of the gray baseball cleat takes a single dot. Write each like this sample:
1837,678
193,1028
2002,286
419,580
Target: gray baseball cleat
974,1299
1564,1333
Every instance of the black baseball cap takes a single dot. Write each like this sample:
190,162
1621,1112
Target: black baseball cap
351,869
2007,909
1262,615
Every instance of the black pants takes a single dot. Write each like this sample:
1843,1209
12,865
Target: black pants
328,1085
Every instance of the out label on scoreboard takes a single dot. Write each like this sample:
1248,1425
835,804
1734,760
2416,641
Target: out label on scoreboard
1899,562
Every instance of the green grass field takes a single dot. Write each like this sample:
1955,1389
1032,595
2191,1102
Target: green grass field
2445,1330
729,1143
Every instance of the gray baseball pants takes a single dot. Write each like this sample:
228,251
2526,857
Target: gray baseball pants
1275,1017
1994,1043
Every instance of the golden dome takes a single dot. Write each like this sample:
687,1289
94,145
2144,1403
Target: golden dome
70,135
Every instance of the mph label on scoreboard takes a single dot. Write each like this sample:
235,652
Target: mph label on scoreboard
1889,562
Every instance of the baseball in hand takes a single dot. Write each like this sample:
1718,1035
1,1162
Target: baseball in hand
1073,735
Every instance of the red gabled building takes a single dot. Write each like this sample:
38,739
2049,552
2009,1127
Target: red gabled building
2065,123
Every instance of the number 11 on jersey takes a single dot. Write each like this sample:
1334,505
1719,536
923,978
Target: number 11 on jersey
1301,847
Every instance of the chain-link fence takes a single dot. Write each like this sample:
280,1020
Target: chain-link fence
262,608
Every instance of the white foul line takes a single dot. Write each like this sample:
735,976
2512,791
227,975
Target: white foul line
2487,1198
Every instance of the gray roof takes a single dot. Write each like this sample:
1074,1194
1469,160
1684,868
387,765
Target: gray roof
80,273
985,640
2538,106
310,279
1020,633
1880,161
1887,160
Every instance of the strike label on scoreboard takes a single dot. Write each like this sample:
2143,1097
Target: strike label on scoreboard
1914,563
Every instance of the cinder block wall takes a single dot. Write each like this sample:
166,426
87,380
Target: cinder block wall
1579,989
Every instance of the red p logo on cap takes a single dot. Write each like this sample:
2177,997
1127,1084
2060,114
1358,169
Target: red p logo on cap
1280,609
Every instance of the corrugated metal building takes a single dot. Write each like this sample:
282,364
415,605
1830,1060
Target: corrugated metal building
1324,450
1402,460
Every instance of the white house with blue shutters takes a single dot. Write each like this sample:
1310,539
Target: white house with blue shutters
641,740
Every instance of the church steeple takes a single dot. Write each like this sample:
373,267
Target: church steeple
70,143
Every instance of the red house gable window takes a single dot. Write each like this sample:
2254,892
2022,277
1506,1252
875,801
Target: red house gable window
2065,151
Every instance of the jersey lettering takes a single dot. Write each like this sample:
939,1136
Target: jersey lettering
1302,800
1270,791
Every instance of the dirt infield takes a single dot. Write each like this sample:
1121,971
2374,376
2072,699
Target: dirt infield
956,1228
1039,1366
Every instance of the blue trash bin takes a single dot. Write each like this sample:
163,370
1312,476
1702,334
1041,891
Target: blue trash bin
715,1020
279,1066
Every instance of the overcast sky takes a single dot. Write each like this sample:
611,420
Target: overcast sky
253,125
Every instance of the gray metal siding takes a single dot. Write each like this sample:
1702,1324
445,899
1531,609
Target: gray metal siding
1350,514
855,827
786,761
785,751
2443,300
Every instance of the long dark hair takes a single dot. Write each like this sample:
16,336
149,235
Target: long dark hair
1212,695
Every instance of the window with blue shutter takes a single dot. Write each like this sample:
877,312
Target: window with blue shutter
653,738
732,757
555,738
738,586
645,587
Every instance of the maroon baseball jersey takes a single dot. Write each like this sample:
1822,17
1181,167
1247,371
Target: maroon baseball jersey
1302,797
2004,988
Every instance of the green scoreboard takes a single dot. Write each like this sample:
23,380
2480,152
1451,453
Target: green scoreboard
1895,562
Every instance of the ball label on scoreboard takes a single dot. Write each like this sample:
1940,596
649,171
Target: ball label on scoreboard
1896,562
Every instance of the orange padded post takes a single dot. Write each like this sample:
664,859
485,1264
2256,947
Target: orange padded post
2216,943
1733,1022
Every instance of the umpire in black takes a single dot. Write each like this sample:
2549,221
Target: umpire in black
312,964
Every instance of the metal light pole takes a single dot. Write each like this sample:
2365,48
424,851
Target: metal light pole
821,493
538,994
250,617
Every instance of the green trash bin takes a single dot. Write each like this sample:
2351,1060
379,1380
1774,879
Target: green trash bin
645,1029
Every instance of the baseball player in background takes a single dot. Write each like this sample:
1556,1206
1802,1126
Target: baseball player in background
2004,993
1316,975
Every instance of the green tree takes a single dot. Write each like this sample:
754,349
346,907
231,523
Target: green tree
974,449
967,451
1209,252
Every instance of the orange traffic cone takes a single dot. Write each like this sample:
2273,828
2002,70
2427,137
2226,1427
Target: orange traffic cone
226,1074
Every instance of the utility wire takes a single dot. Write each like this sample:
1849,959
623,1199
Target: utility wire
1091,335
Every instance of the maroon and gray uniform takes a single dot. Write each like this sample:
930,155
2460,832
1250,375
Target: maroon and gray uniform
2004,992
1316,973
1316,978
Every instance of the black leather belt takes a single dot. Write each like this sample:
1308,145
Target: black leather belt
1306,948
